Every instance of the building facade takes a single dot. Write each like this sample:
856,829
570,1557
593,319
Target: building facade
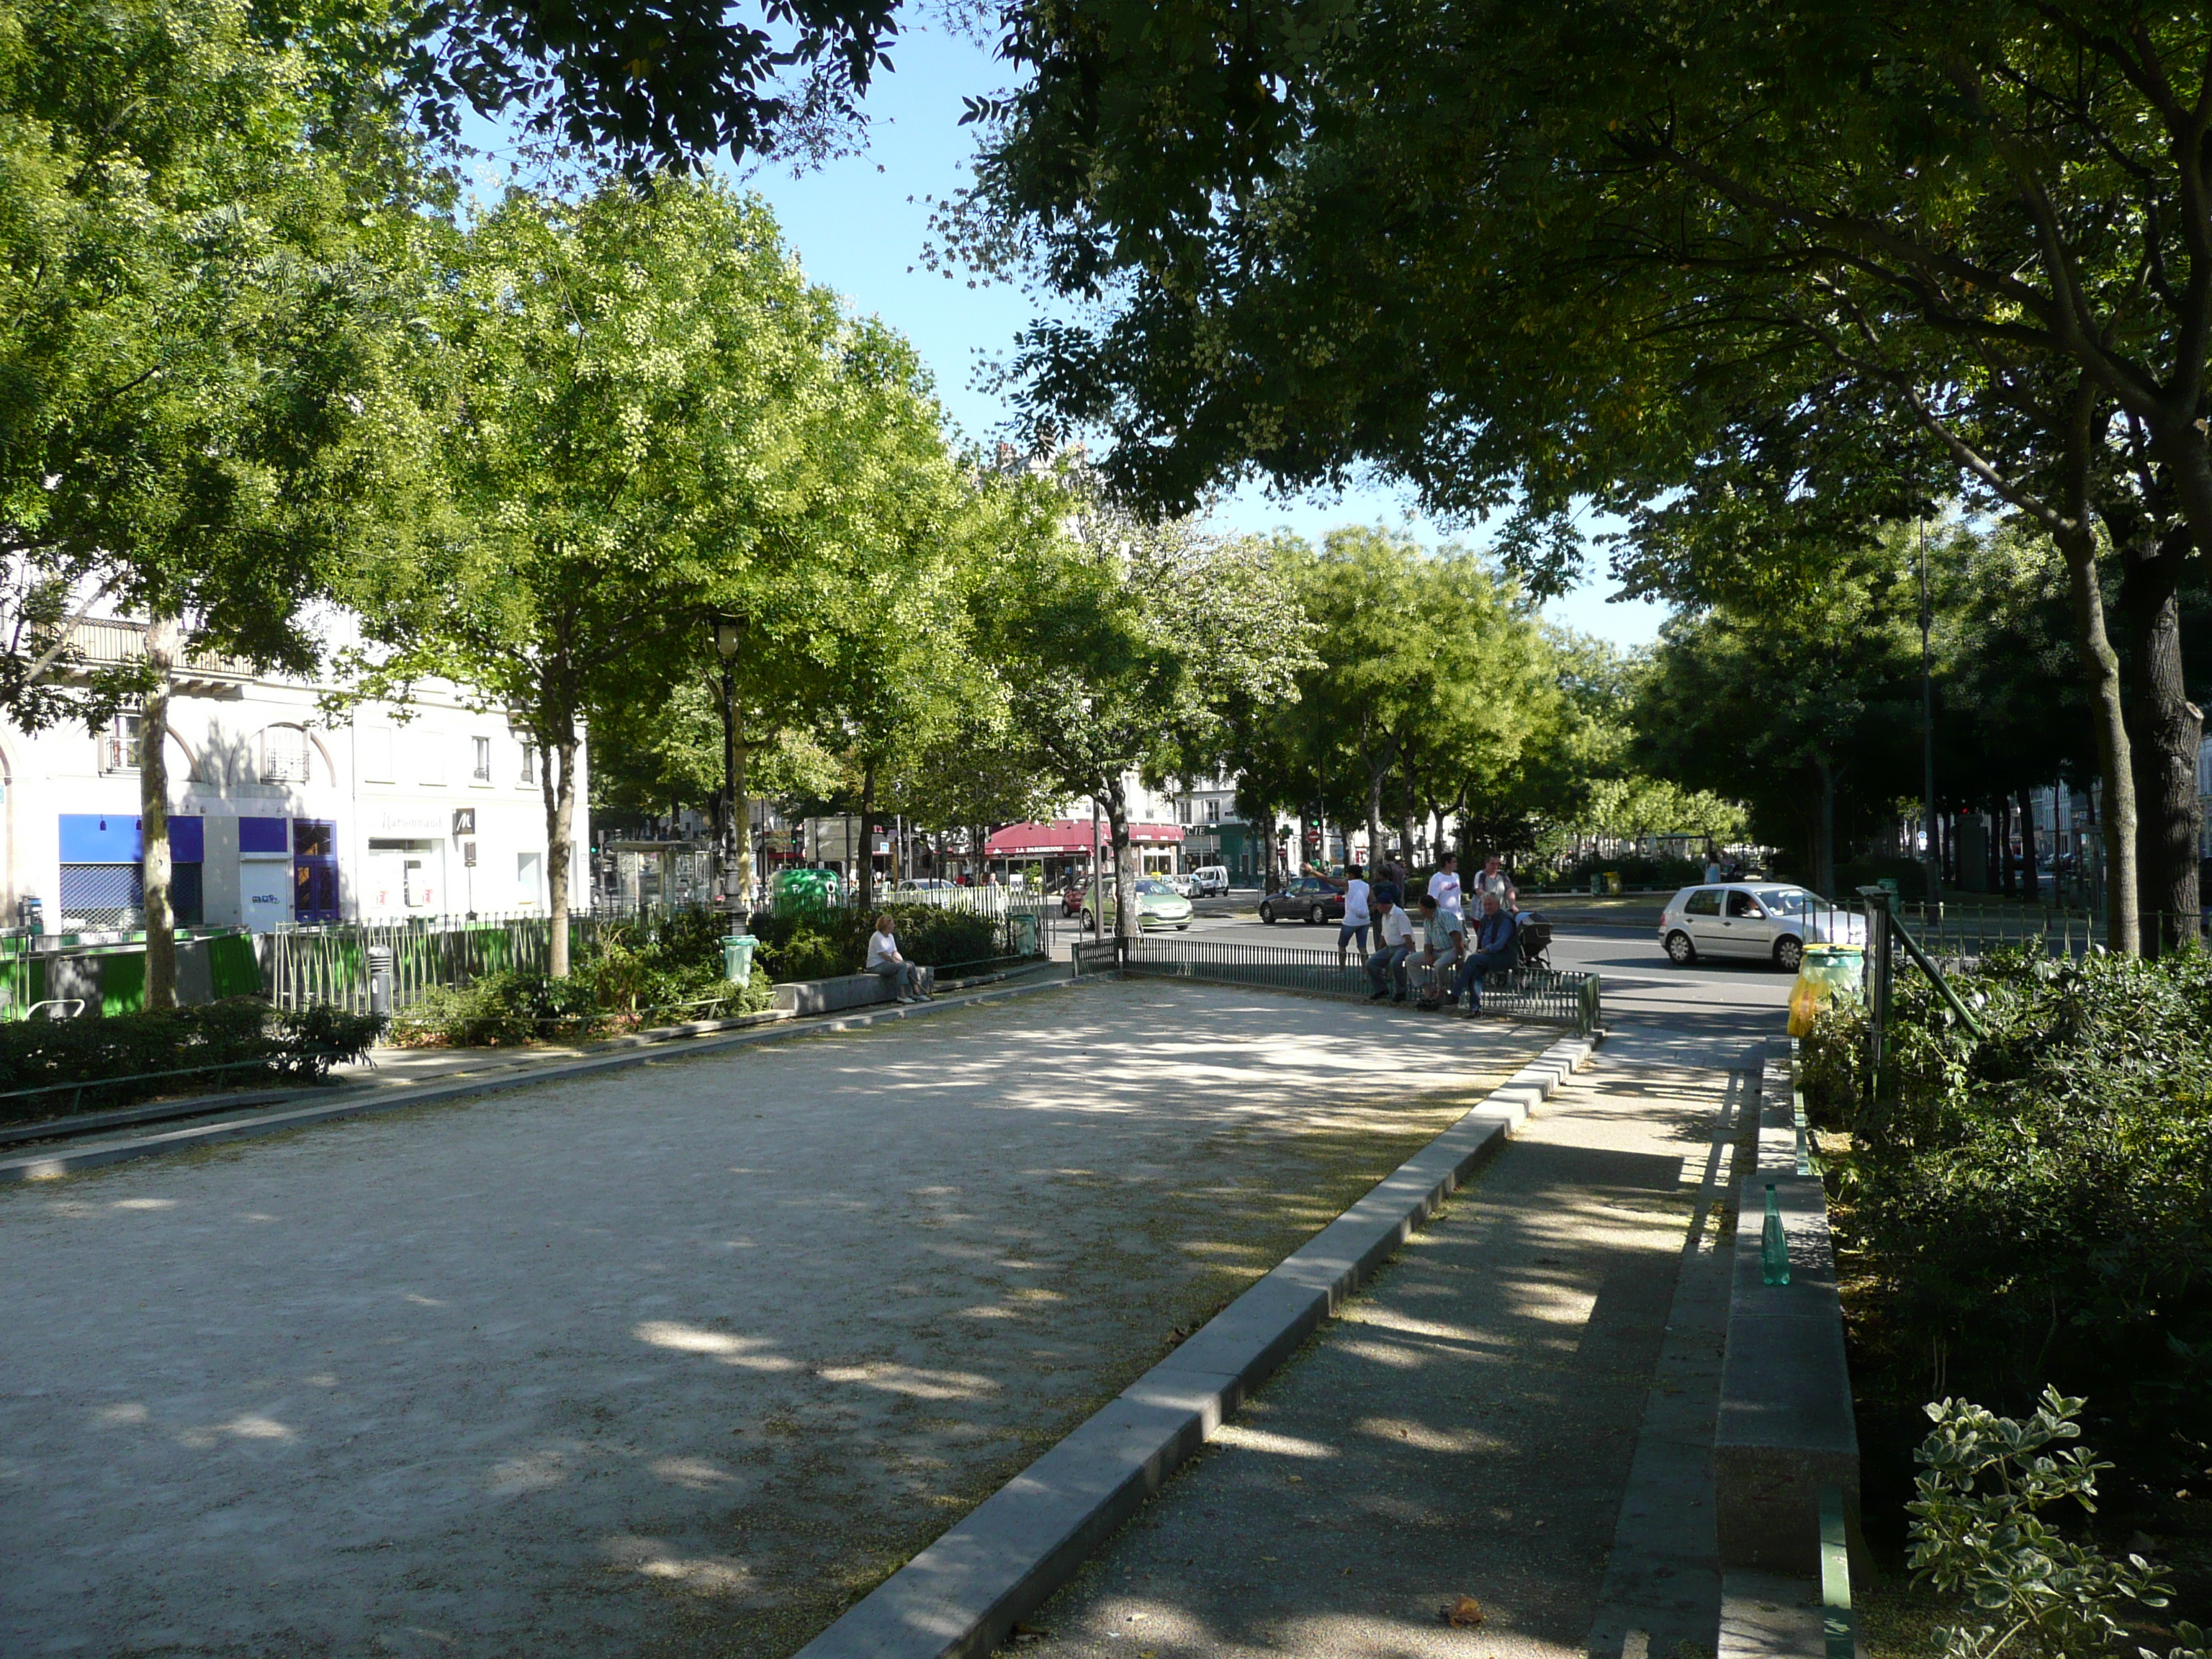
278,814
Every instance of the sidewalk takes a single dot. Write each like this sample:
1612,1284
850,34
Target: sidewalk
1520,1410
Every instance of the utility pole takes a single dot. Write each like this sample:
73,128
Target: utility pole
1928,856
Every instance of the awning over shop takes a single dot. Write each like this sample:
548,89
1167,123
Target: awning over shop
1068,838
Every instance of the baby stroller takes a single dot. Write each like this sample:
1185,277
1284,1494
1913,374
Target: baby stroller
1534,935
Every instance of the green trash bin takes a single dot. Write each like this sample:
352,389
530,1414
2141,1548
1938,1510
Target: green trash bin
737,958
1022,935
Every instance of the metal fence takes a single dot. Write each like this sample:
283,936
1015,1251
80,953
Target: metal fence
1535,993
305,966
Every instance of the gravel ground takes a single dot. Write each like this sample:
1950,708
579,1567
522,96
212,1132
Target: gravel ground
681,1359
1519,1409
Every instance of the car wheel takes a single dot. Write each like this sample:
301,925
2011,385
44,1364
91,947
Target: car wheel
1267,914
1317,916
1088,924
1679,951
1182,927
1788,953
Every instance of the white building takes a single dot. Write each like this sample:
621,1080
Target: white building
277,813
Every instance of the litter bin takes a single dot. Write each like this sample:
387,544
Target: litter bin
737,958
380,980
1827,971
1021,934
1613,883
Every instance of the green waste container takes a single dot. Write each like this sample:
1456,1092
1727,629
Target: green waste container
1826,973
737,958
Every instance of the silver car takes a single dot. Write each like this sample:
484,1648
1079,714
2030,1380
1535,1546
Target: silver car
1758,919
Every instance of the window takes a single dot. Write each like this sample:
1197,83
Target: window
119,744
284,754
530,764
1743,905
1706,902
483,771
1213,812
376,746
431,760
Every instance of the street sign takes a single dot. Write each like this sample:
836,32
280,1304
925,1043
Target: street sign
464,822
469,854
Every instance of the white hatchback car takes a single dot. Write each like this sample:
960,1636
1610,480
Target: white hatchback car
1765,920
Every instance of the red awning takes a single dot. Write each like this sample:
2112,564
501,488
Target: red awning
1067,837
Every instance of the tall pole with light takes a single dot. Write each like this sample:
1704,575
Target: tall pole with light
729,638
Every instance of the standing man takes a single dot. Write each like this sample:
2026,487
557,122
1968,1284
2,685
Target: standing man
1394,943
1355,915
1495,947
1443,885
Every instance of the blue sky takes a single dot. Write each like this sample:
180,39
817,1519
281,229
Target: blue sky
858,225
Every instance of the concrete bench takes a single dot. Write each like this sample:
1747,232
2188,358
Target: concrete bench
829,996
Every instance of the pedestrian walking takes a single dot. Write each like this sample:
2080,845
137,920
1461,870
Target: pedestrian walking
1354,926
1496,947
1394,935
1443,884
883,959
1493,880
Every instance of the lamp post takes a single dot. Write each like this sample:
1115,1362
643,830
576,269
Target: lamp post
729,636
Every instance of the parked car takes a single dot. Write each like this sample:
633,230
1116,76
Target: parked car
1743,919
1311,899
1181,883
924,885
1159,905
1209,881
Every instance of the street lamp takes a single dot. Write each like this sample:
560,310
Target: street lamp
729,636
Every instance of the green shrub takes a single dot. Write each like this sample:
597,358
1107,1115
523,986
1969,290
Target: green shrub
803,953
255,1043
823,944
615,987
2037,1203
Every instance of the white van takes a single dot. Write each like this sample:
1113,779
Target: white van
1209,880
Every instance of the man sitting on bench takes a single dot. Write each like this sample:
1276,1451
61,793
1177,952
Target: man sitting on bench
1495,946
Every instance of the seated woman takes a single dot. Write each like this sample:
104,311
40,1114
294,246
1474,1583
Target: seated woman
884,958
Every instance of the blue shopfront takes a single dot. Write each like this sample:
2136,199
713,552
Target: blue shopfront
264,871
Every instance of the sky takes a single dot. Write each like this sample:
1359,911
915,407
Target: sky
858,225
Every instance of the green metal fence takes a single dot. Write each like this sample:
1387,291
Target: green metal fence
305,966
1535,993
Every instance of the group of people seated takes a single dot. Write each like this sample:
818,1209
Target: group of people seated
1434,936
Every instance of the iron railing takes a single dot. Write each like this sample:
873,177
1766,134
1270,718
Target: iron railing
1535,993
305,966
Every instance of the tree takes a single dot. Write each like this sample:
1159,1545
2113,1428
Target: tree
1118,643
209,247
1579,251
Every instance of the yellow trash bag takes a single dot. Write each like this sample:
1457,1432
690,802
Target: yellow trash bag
1826,972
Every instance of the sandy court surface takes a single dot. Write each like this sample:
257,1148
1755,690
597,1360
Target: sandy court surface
679,1358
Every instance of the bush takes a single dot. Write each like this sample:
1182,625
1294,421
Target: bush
2037,1203
244,1034
822,944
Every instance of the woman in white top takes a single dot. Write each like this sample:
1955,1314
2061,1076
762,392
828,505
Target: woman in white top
1354,926
884,958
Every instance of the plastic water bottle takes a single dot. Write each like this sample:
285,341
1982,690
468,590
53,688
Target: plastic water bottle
1774,1243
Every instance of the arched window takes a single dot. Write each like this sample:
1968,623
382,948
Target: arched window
284,754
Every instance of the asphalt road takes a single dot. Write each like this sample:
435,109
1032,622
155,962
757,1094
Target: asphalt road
1644,992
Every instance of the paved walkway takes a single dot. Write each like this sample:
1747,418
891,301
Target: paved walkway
672,1359
1520,1410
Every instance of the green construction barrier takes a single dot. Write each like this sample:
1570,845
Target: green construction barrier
232,967
122,981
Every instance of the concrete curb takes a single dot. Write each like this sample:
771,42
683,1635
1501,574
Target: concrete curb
961,1596
67,1160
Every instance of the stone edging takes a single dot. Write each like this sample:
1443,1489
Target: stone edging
67,1160
961,1596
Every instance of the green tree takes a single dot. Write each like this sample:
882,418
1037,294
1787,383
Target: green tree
1119,644
209,250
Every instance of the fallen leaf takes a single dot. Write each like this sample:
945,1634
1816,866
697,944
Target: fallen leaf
1296,1478
1464,1612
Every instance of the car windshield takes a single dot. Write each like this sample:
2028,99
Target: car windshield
1154,887
1787,901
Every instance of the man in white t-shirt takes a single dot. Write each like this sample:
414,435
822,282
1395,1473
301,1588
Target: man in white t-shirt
1394,943
1354,926
884,958
1443,885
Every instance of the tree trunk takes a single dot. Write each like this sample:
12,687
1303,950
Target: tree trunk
2031,884
1405,816
2100,665
1824,833
557,783
1375,811
163,638
2164,729
866,851
1124,861
2001,815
